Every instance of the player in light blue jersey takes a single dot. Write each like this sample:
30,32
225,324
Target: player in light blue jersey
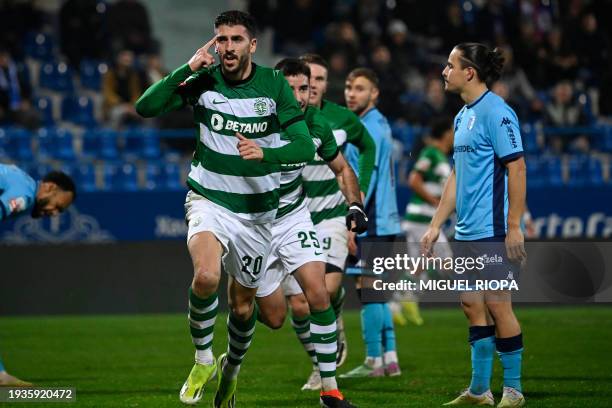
20,194
487,187
361,93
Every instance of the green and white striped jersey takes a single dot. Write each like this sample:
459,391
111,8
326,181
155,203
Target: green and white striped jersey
257,107
325,200
291,191
433,166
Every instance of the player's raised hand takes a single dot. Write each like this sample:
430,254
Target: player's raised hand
202,58
515,245
248,149
428,240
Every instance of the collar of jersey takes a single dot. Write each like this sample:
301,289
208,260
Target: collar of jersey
471,105
241,81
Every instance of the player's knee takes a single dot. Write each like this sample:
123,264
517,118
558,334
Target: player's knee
500,310
472,309
318,299
274,321
205,281
242,311
299,306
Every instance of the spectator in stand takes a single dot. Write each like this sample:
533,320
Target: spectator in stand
292,38
454,31
129,25
83,30
336,75
560,61
592,47
121,87
564,111
405,55
342,37
15,91
16,19
435,105
390,82
523,96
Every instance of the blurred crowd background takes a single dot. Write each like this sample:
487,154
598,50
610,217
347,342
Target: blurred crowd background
69,76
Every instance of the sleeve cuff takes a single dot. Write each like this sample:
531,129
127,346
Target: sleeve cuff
291,121
333,156
511,157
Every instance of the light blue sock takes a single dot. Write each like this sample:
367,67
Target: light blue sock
482,342
2,366
388,329
371,328
510,351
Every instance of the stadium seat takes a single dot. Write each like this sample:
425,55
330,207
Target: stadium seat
39,46
554,171
79,110
404,133
530,138
45,139
56,77
142,143
126,178
85,177
535,176
153,177
45,106
18,144
173,178
585,171
40,170
100,144
4,154
64,145
90,73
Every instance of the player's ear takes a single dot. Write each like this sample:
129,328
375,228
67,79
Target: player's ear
253,45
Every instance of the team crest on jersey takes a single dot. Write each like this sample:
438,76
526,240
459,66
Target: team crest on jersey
260,106
471,121
17,204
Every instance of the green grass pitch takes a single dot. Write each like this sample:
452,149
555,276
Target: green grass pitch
141,361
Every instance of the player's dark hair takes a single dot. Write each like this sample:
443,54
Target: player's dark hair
293,67
237,17
62,180
367,73
487,63
439,126
311,58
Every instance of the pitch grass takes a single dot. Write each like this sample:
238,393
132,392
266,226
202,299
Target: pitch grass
142,361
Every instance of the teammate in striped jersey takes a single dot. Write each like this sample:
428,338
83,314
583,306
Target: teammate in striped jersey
325,201
240,109
296,254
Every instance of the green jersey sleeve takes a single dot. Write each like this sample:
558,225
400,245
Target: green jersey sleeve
358,135
425,162
321,132
164,96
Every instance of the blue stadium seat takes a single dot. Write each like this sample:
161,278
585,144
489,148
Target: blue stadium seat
38,45
535,171
40,170
100,144
554,171
45,138
530,138
109,176
154,179
142,143
45,106
64,145
4,142
56,77
55,143
18,144
126,178
79,110
90,73
585,171
85,177
172,172
607,139
404,133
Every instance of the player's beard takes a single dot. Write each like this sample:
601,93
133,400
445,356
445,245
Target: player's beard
361,108
38,206
241,63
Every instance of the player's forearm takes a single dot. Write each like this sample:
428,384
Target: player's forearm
447,202
300,150
349,185
418,186
161,97
517,192
367,157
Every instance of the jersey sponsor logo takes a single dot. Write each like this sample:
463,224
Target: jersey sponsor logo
505,122
511,135
17,204
260,106
457,124
471,122
218,123
464,149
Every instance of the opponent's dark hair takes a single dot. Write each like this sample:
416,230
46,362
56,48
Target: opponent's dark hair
439,126
237,17
62,180
487,63
312,58
367,73
293,67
